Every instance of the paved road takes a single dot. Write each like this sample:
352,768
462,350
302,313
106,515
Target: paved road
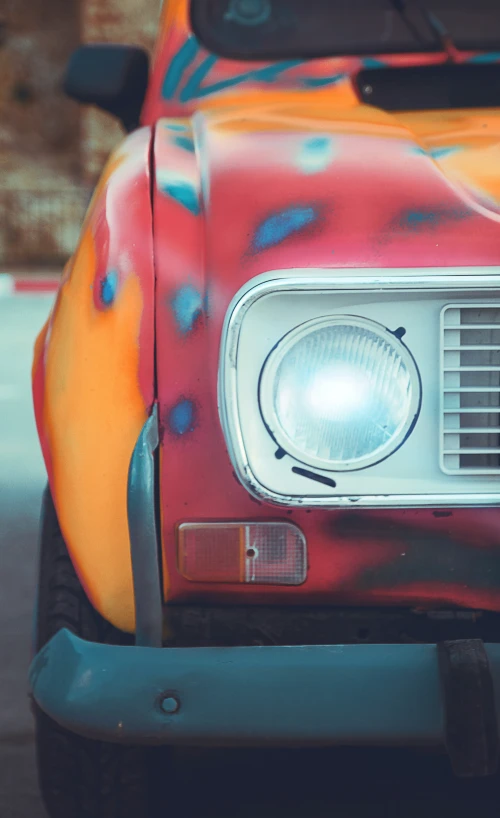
21,481
246,784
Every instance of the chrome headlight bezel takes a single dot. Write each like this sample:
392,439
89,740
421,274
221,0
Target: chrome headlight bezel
270,373
259,316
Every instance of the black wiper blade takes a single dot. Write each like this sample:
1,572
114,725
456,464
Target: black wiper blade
400,7
442,34
434,23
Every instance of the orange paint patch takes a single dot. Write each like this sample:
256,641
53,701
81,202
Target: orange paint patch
93,414
475,165
292,111
322,102
175,12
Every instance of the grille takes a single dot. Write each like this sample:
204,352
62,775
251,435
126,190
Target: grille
470,439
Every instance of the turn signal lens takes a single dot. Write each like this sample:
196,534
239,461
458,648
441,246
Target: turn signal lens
253,553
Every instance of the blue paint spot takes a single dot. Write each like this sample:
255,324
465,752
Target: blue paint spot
183,192
423,219
181,419
277,228
440,153
316,154
372,62
273,71
492,56
322,82
109,288
193,88
175,127
415,218
187,305
206,302
185,142
178,65
436,153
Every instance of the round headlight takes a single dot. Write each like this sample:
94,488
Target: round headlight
340,393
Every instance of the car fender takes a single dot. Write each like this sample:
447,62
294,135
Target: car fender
93,378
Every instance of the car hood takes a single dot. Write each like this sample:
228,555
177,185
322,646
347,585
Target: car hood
283,184
279,185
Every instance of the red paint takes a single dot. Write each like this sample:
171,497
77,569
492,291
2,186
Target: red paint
380,200
382,203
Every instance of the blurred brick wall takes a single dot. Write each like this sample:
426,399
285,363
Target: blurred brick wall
51,152
39,128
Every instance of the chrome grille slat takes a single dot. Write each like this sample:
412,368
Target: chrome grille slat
494,430
470,393
467,450
472,327
471,389
464,410
472,368
473,348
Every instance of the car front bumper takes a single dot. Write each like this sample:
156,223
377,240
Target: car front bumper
314,695
369,694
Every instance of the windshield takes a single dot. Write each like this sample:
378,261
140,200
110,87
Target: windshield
296,29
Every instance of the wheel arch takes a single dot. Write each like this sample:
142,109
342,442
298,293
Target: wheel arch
94,379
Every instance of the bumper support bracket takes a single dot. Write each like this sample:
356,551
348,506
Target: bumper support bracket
470,719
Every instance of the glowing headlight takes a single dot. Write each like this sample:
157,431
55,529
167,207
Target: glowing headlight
340,393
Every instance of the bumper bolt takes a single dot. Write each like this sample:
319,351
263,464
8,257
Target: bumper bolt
170,705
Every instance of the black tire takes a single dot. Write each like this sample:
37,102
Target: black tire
78,777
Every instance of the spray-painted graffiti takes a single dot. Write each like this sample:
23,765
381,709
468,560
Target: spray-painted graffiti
256,168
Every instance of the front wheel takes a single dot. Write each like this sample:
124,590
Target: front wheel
79,777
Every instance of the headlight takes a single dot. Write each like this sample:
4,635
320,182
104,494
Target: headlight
340,393
322,406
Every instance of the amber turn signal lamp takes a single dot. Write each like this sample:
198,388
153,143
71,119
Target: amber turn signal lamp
260,553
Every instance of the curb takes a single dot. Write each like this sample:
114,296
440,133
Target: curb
13,284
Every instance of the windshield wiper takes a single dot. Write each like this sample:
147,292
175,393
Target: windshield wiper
400,7
435,24
442,34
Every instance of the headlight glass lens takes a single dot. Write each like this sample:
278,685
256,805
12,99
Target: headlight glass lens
340,393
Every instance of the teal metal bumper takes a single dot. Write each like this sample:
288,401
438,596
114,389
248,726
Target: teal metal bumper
354,694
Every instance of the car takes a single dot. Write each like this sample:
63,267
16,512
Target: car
268,397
